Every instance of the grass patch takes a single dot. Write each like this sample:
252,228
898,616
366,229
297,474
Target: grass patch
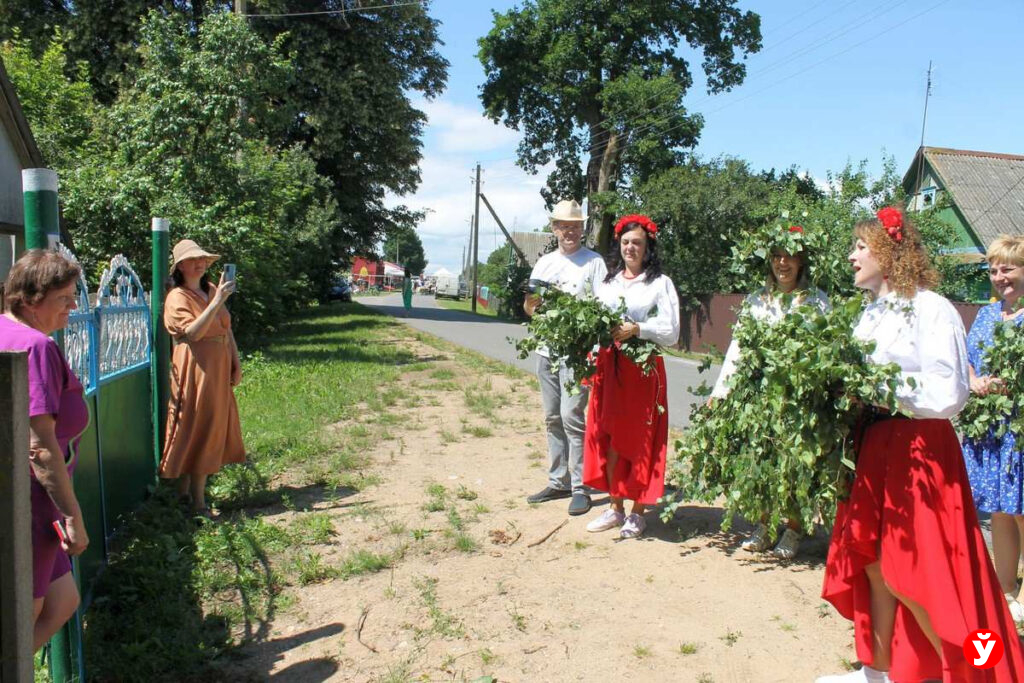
310,568
312,374
313,528
442,623
463,493
364,562
189,593
688,648
443,373
466,306
482,402
478,432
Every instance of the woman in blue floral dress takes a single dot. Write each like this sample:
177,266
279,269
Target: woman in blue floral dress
995,465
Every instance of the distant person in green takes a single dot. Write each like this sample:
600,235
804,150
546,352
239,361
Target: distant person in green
407,291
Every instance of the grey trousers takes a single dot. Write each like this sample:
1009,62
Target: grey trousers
565,419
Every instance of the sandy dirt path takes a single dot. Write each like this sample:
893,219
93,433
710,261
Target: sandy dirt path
467,597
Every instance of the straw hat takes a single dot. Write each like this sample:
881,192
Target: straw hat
568,210
186,249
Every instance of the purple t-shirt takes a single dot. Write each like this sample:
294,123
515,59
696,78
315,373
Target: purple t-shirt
53,388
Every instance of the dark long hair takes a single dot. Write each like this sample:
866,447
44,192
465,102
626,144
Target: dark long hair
178,280
615,264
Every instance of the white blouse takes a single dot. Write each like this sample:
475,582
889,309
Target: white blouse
763,306
654,305
925,337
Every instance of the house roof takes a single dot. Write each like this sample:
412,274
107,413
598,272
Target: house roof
14,121
987,188
533,244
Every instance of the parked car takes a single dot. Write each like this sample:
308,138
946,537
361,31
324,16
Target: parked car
341,290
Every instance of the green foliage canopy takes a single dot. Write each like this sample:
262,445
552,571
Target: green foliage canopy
777,446
603,80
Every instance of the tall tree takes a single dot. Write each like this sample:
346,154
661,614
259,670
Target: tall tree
346,102
603,80
403,246
104,34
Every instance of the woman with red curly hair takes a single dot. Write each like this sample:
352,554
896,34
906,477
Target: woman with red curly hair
907,562
627,418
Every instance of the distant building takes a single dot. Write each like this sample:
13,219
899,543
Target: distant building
18,151
534,244
984,192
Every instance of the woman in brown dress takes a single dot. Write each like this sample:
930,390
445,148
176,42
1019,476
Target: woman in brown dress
203,431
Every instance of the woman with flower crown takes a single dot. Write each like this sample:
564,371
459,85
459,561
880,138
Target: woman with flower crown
786,286
907,562
627,417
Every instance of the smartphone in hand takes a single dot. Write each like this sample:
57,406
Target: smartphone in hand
229,272
62,533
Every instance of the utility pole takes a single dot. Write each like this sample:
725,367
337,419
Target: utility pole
476,235
924,120
466,253
241,7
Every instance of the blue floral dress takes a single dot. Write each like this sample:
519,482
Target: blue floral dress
994,465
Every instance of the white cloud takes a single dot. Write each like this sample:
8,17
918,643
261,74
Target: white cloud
463,129
456,137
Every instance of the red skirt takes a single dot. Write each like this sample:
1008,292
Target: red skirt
623,415
911,507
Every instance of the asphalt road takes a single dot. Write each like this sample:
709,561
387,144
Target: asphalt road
489,336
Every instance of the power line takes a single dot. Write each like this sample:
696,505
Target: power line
872,15
806,69
348,10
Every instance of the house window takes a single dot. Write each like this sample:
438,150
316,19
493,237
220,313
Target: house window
928,198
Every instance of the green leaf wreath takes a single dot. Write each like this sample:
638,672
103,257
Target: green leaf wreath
994,413
570,327
779,445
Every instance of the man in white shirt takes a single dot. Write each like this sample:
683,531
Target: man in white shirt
571,268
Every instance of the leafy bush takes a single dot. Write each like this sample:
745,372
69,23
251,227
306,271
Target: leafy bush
995,413
777,445
570,327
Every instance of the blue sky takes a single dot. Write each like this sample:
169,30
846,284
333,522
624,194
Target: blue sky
834,81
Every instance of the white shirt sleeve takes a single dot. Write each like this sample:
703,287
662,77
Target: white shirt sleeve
596,272
721,389
663,327
941,385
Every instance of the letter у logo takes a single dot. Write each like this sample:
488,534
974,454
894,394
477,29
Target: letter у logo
983,649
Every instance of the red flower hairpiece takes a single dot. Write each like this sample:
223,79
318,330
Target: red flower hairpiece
643,221
892,220
796,228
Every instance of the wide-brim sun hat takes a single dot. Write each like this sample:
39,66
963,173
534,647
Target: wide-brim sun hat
186,249
567,210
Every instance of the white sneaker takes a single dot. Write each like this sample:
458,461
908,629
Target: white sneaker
865,674
758,541
609,519
788,545
633,527
1016,609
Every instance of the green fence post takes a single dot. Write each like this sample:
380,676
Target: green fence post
161,342
42,217
42,231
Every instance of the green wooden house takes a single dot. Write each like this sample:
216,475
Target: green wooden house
983,193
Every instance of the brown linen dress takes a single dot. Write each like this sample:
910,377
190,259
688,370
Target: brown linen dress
203,431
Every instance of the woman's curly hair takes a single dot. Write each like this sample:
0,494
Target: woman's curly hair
905,263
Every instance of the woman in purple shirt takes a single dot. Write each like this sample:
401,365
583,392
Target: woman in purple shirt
39,295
